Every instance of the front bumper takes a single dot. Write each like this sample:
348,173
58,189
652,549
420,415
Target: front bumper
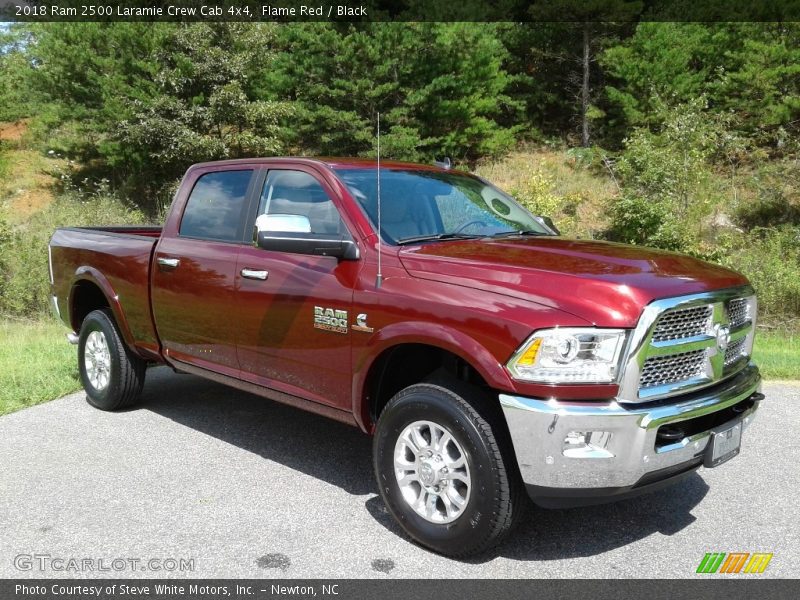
637,454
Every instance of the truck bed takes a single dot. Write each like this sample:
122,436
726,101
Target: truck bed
152,231
116,260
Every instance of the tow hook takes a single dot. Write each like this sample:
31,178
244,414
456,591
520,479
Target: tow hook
670,433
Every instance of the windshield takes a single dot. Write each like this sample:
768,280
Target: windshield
421,205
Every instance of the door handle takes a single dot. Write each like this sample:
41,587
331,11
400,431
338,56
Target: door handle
169,263
255,274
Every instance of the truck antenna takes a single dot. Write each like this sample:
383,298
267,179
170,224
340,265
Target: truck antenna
379,276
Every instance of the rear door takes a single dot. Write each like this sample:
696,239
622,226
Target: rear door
294,310
193,280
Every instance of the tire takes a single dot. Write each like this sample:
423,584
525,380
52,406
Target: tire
494,498
112,375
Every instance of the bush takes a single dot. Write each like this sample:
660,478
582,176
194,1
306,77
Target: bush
777,201
770,258
536,194
3,162
636,220
673,163
24,281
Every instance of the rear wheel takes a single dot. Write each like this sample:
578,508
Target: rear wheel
111,374
444,470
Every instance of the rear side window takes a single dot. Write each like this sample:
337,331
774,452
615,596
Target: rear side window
215,207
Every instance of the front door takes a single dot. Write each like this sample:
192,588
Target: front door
294,310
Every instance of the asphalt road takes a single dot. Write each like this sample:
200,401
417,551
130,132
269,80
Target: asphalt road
251,488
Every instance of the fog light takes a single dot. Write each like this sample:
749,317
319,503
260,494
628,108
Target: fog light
587,444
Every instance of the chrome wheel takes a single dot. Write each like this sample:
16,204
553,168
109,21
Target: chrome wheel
97,360
432,472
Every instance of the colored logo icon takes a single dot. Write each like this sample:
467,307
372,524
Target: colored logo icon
734,562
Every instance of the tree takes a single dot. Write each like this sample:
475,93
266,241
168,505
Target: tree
203,105
439,86
86,77
761,84
598,22
748,70
14,68
137,102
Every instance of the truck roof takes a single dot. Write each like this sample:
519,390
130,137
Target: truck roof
329,162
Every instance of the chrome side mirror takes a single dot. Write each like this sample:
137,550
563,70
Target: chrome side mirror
283,224
292,233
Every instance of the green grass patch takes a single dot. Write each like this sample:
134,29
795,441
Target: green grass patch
36,363
4,164
778,355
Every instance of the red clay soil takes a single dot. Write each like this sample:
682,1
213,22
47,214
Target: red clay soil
13,132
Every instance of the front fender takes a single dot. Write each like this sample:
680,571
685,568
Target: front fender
431,334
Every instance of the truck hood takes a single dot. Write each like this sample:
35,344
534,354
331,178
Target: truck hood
605,283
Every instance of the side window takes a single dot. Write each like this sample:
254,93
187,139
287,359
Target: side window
298,193
215,207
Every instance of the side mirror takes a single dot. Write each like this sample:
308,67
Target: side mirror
548,223
283,223
292,233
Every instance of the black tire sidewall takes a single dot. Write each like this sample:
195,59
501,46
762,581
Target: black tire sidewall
109,398
430,403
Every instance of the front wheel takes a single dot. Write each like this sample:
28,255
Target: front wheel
111,374
444,471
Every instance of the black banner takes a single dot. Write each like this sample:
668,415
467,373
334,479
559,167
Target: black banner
404,10
402,589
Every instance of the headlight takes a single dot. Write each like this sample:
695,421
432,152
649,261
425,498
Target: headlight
569,355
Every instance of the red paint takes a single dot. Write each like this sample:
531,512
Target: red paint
605,283
478,299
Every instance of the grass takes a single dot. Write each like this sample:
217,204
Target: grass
26,182
4,164
778,355
36,363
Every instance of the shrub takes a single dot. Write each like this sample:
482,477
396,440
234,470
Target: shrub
536,193
673,163
777,198
770,258
24,280
636,220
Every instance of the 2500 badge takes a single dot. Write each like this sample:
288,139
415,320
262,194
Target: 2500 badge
330,319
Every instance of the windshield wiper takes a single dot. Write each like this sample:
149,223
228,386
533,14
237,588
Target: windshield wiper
519,232
438,236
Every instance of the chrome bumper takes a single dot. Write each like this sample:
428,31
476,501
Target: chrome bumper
539,428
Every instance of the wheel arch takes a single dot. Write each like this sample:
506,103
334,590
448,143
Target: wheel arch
91,290
421,349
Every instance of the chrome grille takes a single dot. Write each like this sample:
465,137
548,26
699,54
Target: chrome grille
734,351
663,370
737,312
682,323
688,342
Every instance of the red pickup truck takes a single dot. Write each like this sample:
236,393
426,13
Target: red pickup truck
490,358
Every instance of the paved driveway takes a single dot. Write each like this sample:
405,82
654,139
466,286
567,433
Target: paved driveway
245,487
